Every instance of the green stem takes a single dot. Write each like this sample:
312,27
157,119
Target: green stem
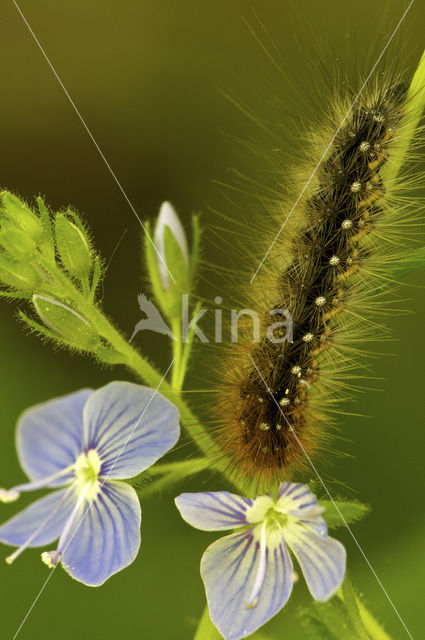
176,378
144,370
181,466
187,349
127,355
170,474
372,626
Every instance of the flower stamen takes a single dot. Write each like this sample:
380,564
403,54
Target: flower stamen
28,541
66,531
50,558
10,495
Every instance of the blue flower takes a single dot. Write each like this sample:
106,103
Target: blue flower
81,445
249,574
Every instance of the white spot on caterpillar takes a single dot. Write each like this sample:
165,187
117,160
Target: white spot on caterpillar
334,261
308,337
378,117
364,146
320,301
296,369
263,426
279,427
284,402
356,186
347,224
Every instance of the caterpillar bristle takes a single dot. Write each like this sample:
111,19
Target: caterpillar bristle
330,267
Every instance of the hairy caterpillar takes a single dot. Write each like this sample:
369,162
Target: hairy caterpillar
329,267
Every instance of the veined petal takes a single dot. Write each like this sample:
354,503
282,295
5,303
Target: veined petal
214,510
52,510
106,536
229,569
322,560
298,501
130,427
50,436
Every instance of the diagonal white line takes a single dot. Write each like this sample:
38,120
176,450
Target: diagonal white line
74,106
292,430
333,138
91,502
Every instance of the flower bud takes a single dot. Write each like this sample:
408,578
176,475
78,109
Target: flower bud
73,247
19,215
172,249
66,323
18,275
16,242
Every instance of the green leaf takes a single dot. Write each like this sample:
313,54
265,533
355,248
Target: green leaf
413,109
175,261
47,243
21,216
339,510
97,274
73,248
343,617
44,332
66,323
14,295
187,349
195,248
18,275
333,620
153,270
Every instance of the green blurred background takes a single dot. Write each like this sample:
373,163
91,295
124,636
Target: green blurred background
147,77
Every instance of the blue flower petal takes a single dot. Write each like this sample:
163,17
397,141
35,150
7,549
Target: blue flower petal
229,568
299,502
50,436
130,426
322,560
213,511
52,510
106,538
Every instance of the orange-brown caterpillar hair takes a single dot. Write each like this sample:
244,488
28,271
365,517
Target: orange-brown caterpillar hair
327,267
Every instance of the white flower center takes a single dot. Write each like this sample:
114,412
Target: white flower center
87,469
276,519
